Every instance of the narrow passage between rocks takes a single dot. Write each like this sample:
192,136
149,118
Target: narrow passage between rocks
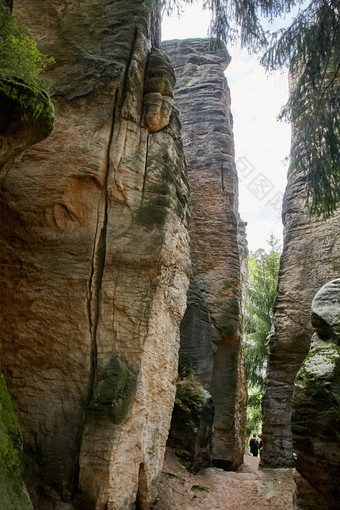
215,489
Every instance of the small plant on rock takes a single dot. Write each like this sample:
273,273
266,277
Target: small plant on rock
20,57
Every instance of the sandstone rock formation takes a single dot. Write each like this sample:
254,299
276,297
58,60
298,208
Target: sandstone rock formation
310,258
316,405
26,117
192,424
94,260
13,493
210,332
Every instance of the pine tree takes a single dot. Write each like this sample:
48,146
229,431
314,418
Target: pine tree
311,47
257,324
258,310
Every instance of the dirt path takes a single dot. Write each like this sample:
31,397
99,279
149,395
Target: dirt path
215,489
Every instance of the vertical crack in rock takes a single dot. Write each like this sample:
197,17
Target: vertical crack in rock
145,169
133,49
65,202
222,179
98,260
99,245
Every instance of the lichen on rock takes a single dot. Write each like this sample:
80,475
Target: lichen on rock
192,423
316,405
114,392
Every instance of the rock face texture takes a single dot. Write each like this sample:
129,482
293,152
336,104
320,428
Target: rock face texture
310,258
210,331
94,260
13,493
26,117
316,404
192,424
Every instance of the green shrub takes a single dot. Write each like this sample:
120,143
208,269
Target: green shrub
19,55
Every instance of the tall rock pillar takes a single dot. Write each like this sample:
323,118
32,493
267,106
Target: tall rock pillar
94,260
210,331
315,410
310,258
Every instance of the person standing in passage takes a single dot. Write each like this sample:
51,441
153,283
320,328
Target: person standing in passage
251,444
261,442
256,448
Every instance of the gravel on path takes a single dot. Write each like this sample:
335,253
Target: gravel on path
214,489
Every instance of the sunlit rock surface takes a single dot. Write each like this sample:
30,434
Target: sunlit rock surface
210,331
316,405
310,258
94,261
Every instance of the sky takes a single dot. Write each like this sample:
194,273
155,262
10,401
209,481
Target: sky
261,141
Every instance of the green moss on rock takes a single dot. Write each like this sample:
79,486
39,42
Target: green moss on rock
191,423
114,392
151,215
13,494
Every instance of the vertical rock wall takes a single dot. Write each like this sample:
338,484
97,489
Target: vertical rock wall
210,332
310,258
316,405
94,261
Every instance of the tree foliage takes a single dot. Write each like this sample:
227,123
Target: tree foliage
311,47
258,310
19,55
257,323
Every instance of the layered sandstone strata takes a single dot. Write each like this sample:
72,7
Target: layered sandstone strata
310,258
210,332
94,261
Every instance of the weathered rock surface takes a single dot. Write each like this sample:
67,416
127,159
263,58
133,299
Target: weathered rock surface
13,493
94,260
244,253
210,332
305,496
310,258
316,403
326,312
192,424
26,117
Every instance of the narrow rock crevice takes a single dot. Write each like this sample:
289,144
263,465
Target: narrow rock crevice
222,179
127,69
145,169
99,245
98,261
